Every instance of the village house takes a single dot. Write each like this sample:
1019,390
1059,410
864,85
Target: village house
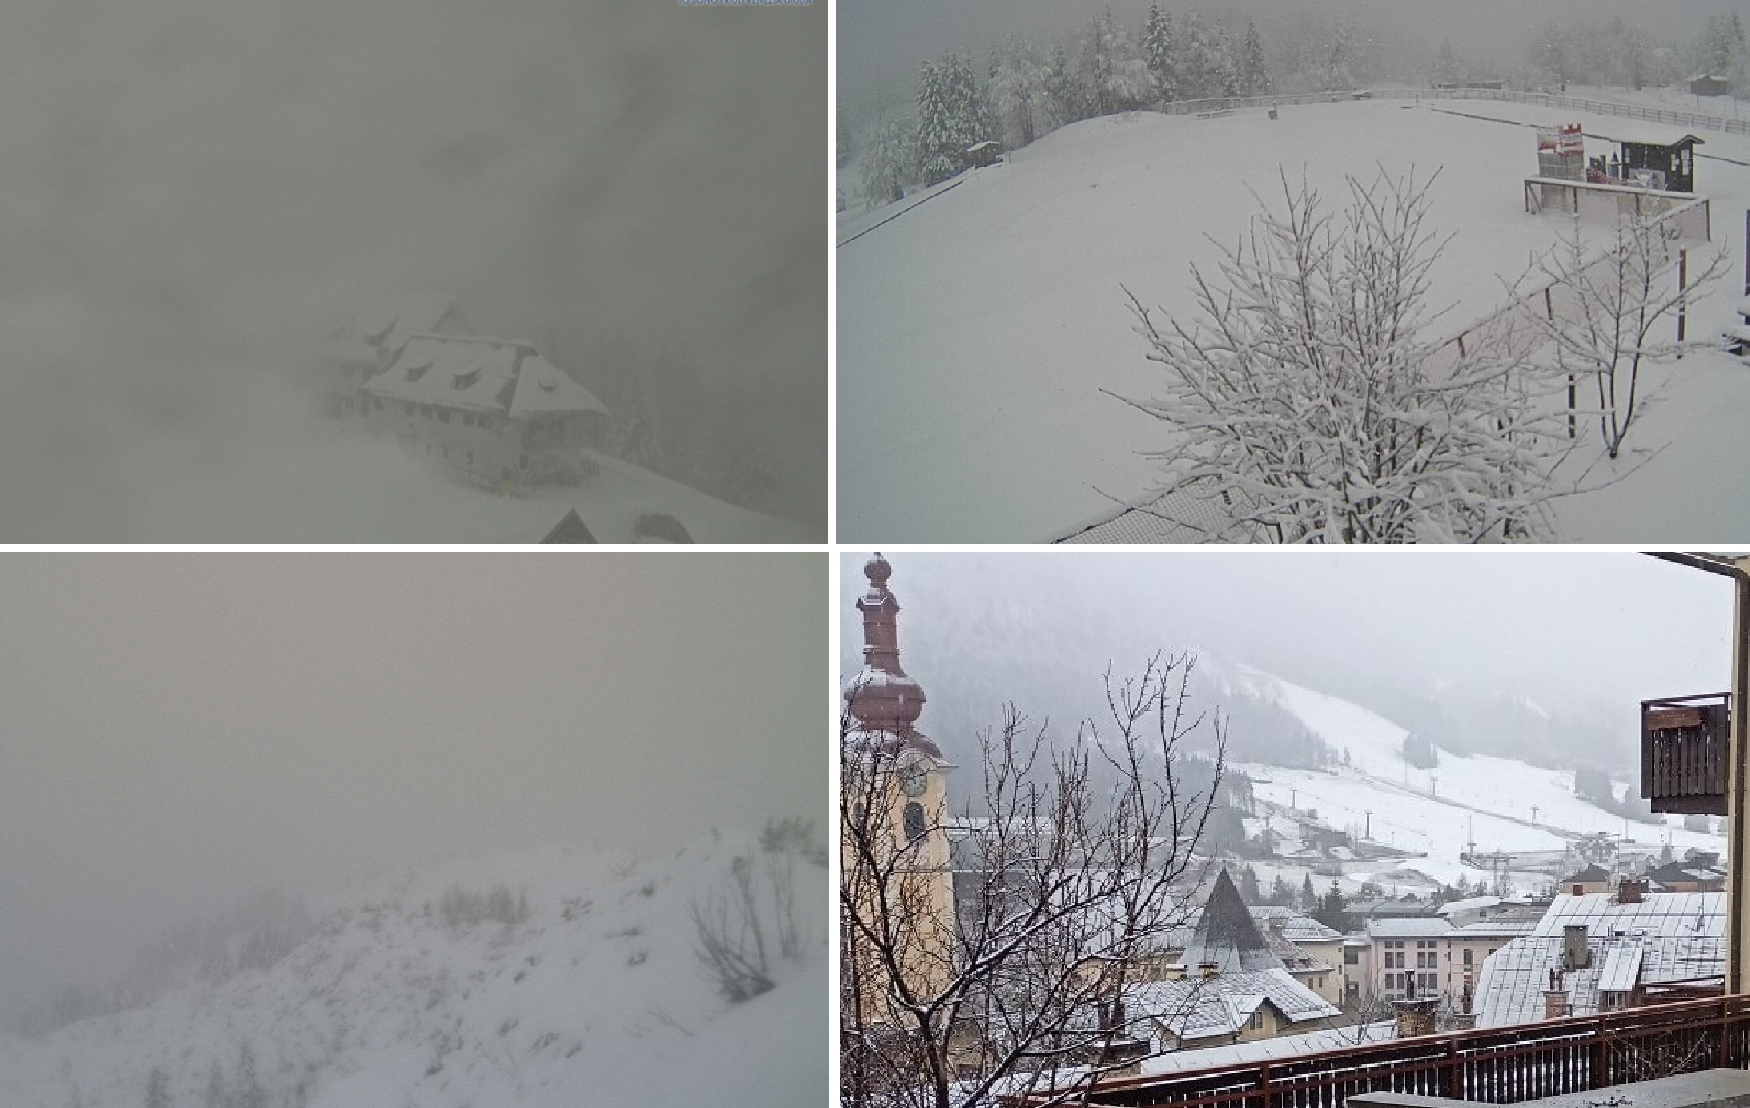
1600,952
492,412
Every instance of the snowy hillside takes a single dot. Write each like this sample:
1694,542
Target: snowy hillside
978,329
1506,804
595,998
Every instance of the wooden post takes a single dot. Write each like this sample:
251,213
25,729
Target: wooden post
1683,300
1747,252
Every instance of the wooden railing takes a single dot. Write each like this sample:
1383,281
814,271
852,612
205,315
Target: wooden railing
1502,1065
1683,753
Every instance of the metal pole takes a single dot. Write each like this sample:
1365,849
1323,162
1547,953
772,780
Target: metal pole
1683,300
1735,807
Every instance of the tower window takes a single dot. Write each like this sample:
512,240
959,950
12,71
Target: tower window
914,821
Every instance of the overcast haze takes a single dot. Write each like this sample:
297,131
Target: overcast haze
882,42
180,731
198,193
1581,633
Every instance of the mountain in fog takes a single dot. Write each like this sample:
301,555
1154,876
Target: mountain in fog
552,977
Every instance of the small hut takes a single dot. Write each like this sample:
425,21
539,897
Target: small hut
1706,84
983,153
1662,163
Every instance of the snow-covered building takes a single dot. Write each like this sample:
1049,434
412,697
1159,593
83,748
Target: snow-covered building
1599,952
369,343
493,412
1206,1009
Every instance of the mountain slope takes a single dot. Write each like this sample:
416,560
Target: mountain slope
597,998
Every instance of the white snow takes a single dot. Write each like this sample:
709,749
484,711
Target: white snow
1436,811
388,1006
978,329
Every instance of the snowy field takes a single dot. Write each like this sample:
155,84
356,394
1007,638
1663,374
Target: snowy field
1506,804
388,1006
977,330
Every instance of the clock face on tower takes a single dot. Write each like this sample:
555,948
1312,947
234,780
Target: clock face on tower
913,776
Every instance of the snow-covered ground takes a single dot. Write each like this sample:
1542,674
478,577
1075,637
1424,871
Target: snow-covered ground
388,1006
978,329
1505,804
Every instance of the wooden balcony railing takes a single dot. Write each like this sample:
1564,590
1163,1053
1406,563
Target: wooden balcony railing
1501,1065
1683,753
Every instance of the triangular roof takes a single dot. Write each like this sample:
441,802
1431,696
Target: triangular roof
1227,936
570,529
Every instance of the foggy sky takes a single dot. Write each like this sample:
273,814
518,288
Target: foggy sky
1571,630
197,193
181,731
881,42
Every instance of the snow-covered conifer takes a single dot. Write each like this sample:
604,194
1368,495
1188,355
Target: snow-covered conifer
1157,53
1254,71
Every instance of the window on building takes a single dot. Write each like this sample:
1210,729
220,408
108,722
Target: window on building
1427,983
443,415
1351,955
914,821
1258,1020
1467,956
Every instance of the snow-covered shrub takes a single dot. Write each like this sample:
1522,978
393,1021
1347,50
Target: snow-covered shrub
1307,403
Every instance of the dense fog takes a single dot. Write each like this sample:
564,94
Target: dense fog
181,733
1541,656
198,194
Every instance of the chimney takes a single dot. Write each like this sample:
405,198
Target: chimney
1415,1017
1208,969
1630,890
1575,953
1555,1004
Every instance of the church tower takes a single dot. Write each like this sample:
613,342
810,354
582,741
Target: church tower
895,779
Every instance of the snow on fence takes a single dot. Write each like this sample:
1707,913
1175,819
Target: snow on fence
1598,107
1510,330
1501,1065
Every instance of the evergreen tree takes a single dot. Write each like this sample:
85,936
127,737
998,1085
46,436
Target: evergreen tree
887,162
952,116
1281,892
1332,910
157,1089
1157,53
1249,891
1199,63
1254,72
1062,96
1309,900
1015,91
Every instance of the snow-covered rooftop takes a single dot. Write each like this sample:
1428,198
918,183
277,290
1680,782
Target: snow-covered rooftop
1202,1007
504,376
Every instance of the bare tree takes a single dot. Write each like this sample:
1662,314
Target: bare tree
1612,311
1068,855
732,938
1307,401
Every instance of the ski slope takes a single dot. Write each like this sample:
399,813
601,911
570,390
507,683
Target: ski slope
978,330
389,1006
1436,811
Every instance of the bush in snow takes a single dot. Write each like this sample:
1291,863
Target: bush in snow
1306,403
732,936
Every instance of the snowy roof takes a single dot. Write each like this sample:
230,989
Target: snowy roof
570,529
1643,134
1493,929
1227,936
1200,1007
504,376
1293,925
1408,927
1468,904
1259,1050
1512,981
1656,913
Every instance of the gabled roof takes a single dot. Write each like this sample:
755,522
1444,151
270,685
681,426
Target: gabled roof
1591,875
504,376
387,329
570,529
1226,936
1203,1007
